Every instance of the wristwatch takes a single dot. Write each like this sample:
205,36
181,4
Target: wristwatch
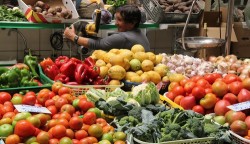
76,39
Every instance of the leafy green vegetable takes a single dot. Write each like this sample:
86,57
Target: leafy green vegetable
116,3
9,14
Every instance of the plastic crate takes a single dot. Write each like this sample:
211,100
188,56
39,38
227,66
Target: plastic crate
205,140
79,89
239,139
155,12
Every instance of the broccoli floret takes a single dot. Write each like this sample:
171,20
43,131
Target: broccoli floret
136,112
195,126
211,128
129,120
166,137
174,126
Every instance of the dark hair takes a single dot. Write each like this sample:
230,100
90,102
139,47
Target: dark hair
130,14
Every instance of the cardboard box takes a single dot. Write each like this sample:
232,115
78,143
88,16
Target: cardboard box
241,48
39,18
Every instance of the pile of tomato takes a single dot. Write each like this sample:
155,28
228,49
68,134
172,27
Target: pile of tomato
73,120
213,93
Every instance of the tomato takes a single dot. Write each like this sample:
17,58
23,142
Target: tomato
172,85
199,109
232,116
84,105
65,115
89,118
246,83
56,86
68,108
70,133
220,107
208,90
184,81
229,78
244,95
235,87
9,115
203,83
101,121
4,96
209,78
64,90
108,128
65,140
43,96
219,88
88,140
12,139
208,101
29,99
170,95
43,137
178,98
69,97
239,127
217,75
80,134
53,141
51,123
178,90
43,118
75,141
95,130
189,86
198,92
58,131
230,97
24,128
188,102
76,123
119,142
60,102
247,121
196,78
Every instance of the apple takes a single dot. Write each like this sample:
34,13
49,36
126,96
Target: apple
16,99
6,130
220,119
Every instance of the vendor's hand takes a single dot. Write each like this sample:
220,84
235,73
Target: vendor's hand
69,32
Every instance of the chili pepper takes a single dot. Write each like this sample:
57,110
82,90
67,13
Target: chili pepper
59,61
80,73
10,78
68,69
89,61
51,71
62,78
28,82
93,71
32,63
77,61
46,62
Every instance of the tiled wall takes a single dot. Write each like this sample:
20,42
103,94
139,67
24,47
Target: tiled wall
38,40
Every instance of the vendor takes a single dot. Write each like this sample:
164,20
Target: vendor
127,20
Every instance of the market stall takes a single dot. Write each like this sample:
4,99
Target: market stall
126,96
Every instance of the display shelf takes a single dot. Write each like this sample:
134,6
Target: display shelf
29,25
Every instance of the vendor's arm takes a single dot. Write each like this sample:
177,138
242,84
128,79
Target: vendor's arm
69,33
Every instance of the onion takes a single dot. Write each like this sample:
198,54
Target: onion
243,76
245,71
212,59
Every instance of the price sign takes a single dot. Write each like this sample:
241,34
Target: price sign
29,108
1,141
240,106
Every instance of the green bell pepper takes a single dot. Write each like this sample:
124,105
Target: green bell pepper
32,63
3,70
25,73
10,78
28,82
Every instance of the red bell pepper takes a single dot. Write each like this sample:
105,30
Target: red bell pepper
89,61
75,60
59,61
46,62
62,78
94,71
102,81
80,73
68,69
51,71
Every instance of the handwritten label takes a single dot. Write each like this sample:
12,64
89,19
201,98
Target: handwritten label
29,108
1,141
240,106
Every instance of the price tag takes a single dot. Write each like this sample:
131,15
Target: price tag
29,108
240,106
1,141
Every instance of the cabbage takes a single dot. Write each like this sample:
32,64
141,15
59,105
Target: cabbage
146,93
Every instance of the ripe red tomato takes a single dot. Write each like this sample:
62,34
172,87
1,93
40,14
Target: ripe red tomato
12,139
231,98
4,96
188,102
199,109
76,123
52,109
244,95
235,87
209,77
68,108
229,78
198,92
64,90
24,128
89,118
56,86
232,116
189,86
203,83
84,105
184,81
220,107
239,127
178,98
80,134
60,102
43,96
246,83
58,131
172,85
29,99
208,101
178,90
170,95
196,78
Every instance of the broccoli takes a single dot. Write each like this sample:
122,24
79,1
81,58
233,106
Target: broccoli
195,126
129,120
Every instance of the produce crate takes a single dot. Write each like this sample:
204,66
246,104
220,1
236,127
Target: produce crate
239,139
79,89
156,13
169,102
205,140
